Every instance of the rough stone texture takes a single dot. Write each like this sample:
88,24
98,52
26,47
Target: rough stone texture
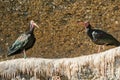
101,66
59,35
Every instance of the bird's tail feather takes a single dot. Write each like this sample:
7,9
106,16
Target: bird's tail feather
11,52
117,44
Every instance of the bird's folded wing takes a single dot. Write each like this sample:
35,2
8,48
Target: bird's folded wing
19,43
99,34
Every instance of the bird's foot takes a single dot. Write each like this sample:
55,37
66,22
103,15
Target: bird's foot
24,54
25,57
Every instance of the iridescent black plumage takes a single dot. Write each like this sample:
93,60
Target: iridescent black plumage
24,41
100,37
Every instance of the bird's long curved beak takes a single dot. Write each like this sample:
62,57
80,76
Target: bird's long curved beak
80,22
36,25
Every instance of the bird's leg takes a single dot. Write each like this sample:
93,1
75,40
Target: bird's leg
99,47
103,47
24,53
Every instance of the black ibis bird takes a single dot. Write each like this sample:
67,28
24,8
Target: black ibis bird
24,42
100,37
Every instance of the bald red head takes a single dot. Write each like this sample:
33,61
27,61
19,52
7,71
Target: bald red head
33,24
86,24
